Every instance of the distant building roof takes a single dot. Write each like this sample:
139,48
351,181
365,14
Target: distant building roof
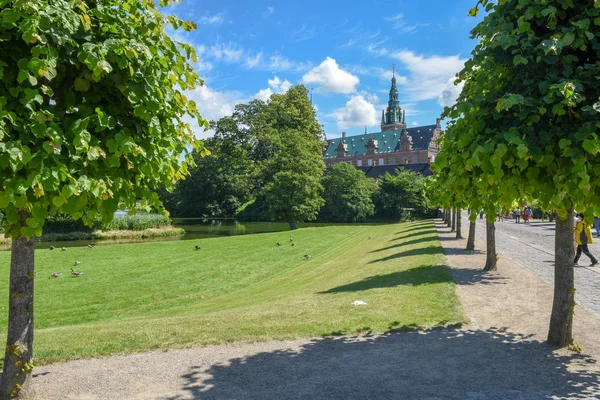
379,170
387,142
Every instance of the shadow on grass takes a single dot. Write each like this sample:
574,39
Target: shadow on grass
442,363
413,252
408,243
414,276
420,227
412,235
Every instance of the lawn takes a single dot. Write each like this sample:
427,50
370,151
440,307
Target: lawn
140,297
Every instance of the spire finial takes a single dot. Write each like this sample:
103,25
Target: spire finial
393,70
365,129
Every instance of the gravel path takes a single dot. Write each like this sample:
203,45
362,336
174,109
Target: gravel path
532,245
499,355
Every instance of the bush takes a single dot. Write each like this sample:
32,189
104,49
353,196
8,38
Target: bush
138,222
63,224
403,196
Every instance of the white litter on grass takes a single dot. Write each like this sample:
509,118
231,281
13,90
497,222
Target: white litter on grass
359,303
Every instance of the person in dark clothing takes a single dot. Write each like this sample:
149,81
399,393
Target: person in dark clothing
583,237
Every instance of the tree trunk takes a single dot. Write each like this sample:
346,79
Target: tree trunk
561,319
458,224
290,219
16,377
492,257
471,239
453,228
448,218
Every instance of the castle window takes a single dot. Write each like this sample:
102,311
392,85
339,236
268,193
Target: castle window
415,160
392,160
381,161
370,162
359,163
405,160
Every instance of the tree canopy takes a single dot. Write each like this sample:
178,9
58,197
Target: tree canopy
348,194
92,119
525,123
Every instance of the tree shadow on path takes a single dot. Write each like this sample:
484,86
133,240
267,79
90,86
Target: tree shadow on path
447,363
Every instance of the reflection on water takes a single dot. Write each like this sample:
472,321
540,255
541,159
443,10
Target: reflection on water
195,228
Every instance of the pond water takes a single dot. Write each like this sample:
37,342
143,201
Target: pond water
195,228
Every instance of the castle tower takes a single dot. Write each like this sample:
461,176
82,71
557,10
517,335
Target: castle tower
394,118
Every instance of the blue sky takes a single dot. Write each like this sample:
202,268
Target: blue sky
344,51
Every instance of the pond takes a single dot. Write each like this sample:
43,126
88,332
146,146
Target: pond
195,228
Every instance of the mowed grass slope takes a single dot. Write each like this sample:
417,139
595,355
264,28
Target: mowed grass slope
139,297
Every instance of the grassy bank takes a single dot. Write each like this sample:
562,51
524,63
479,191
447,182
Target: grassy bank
138,297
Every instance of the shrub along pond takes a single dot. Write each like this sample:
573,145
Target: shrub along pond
156,228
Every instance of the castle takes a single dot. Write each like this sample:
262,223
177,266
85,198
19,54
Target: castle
396,145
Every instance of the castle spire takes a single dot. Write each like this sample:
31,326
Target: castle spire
393,118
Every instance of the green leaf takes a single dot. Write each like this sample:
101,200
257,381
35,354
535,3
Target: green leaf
82,85
564,143
522,151
568,39
591,146
518,59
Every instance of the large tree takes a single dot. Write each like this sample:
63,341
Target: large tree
290,137
348,194
527,119
92,120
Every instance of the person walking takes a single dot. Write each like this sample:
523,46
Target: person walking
583,237
518,216
597,226
527,215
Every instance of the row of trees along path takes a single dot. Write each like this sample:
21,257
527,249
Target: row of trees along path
524,127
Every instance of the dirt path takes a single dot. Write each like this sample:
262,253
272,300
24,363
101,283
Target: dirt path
501,354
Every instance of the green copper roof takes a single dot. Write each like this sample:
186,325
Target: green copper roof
388,142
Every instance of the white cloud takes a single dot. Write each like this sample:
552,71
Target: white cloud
228,52
276,85
253,61
216,19
358,112
399,23
268,11
304,33
331,78
430,76
451,93
212,105
415,123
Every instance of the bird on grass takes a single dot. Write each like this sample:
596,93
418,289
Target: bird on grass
291,239
76,273
77,262
92,245
64,249
307,256
55,275
51,247
278,244
197,247
369,237
293,243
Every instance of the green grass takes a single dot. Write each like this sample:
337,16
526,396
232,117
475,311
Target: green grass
139,297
